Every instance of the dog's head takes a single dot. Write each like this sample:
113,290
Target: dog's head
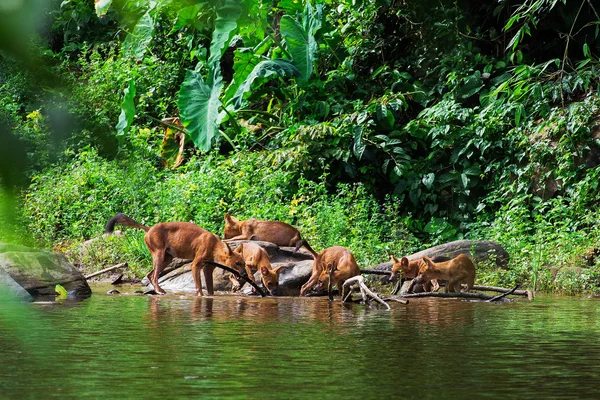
270,279
232,227
233,260
399,265
323,282
426,268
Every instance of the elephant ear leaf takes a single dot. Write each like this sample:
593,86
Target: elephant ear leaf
102,7
199,108
264,69
137,41
127,112
300,39
225,23
199,99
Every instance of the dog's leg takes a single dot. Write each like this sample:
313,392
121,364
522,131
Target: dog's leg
197,266
208,279
160,261
312,281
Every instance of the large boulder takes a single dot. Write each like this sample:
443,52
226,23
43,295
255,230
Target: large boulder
38,272
298,267
478,250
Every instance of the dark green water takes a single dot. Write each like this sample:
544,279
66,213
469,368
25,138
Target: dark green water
185,347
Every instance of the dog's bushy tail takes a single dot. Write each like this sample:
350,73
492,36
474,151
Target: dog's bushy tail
304,243
123,219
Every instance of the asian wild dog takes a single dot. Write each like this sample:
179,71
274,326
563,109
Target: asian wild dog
167,240
277,232
410,270
456,271
338,258
257,259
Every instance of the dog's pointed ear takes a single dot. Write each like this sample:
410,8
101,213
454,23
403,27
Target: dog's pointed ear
394,259
240,248
404,262
228,250
264,271
276,270
229,219
429,263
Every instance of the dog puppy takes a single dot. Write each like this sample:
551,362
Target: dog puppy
337,259
457,271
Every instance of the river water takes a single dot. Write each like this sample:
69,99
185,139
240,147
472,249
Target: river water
128,346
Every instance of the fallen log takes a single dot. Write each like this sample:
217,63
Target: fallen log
105,270
453,295
523,293
374,272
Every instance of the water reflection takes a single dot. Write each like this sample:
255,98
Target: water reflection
233,346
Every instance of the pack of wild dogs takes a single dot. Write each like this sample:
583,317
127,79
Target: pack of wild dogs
169,240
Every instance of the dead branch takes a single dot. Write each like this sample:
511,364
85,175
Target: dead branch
105,270
453,295
401,301
501,296
500,290
238,276
364,290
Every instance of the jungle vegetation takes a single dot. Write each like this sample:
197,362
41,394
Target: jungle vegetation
384,126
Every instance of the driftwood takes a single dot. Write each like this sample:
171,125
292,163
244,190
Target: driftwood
397,300
524,293
105,270
364,291
501,296
238,276
374,272
452,295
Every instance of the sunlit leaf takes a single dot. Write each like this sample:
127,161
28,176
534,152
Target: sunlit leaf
136,42
102,6
199,108
127,111
264,69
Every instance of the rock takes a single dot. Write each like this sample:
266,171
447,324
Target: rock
484,250
179,278
38,272
11,290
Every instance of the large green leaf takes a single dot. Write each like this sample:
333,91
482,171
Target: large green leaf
264,69
127,111
102,7
199,108
225,23
299,45
300,39
198,99
244,63
136,42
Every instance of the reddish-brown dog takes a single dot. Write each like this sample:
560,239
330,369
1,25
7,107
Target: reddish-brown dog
257,259
410,270
277,232
167,240
456,271
338,258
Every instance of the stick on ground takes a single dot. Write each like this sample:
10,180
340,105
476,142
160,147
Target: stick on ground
364,290
105,270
